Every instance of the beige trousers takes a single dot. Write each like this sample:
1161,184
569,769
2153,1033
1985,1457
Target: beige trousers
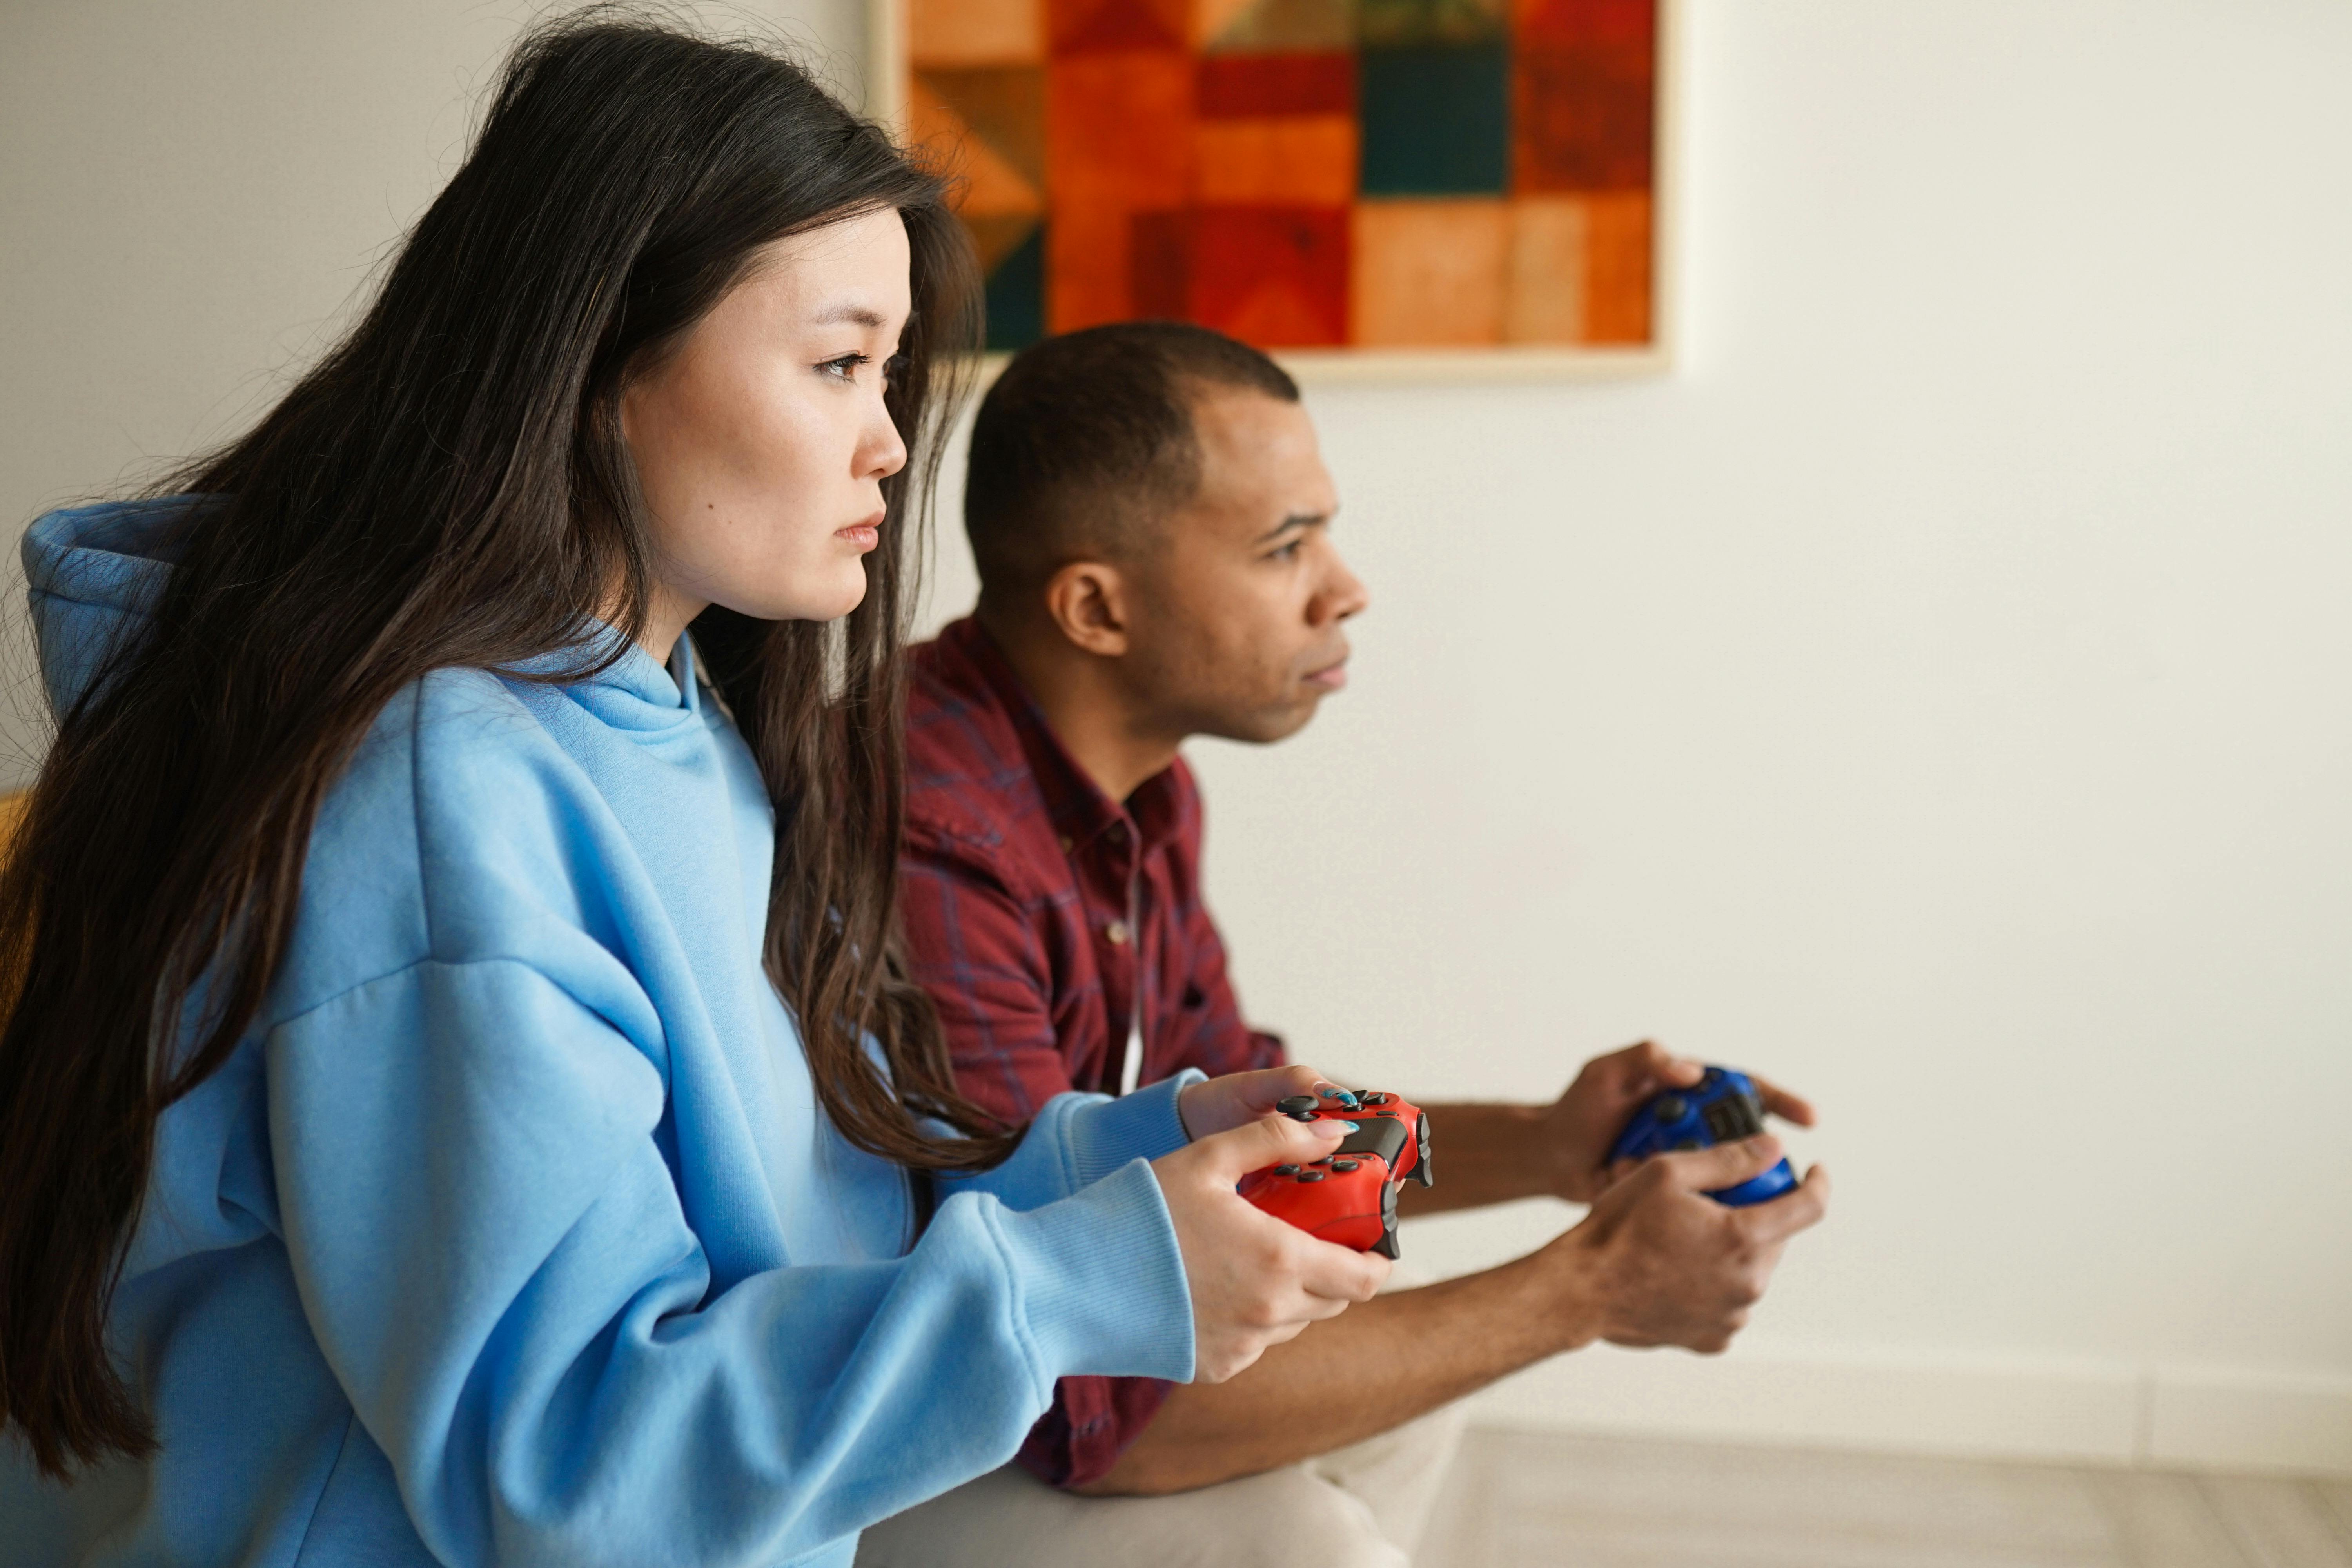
1361,1507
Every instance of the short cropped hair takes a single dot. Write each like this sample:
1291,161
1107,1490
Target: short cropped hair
1085,444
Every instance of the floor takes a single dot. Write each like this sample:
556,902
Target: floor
1549,1500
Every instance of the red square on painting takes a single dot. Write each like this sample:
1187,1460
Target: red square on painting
1582,116
1276,277
1249,86
1095,27
1615,22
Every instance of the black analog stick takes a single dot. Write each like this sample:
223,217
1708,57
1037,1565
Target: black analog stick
1293,1104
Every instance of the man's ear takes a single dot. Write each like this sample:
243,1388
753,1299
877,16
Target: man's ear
1088,601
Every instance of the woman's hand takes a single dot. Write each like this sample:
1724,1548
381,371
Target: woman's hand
1239,1099
1255,1280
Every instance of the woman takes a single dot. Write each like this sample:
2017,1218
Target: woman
459,1096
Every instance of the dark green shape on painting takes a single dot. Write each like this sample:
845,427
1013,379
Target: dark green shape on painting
1436,121
1401,23
1016,296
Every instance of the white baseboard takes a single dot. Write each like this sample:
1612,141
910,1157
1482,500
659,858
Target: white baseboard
2209,1418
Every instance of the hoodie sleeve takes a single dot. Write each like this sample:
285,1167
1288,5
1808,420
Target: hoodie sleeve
495,1259
1080,1139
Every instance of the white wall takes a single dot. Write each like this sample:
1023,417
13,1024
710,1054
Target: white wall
1934,692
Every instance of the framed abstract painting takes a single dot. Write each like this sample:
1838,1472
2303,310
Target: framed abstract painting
1368,187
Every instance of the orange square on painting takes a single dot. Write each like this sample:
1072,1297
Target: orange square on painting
1430,272
1088,258
976,32
1617,268
1544,297
1291,158
1119,131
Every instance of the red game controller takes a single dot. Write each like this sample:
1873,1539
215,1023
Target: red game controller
1350,1195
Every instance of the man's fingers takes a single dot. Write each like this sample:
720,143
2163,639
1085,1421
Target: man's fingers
1782,1103
1674,1071
1724,1165
1799,1208
1268,1140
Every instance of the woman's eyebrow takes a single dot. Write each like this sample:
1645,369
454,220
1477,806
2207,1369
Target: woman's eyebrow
859,314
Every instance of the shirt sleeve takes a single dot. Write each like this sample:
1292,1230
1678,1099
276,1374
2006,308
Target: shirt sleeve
985,966
495,1258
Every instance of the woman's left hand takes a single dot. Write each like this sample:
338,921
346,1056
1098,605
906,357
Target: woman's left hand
1240,1098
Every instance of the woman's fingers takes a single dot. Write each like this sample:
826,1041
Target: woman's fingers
1223,1103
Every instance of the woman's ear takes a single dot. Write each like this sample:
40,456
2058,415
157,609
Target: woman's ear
1087,603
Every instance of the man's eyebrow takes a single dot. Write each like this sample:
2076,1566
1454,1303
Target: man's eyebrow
1295,520
857,314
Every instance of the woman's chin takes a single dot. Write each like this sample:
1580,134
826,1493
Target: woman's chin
826,601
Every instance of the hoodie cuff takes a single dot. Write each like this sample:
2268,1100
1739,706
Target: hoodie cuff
1102,1282
1104,1134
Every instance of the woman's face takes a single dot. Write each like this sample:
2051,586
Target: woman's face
760,441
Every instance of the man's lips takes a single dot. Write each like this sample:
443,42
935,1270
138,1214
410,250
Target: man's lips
1331,677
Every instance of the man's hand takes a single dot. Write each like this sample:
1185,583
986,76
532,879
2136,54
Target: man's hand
1255,1280
1664,1264
1577,1130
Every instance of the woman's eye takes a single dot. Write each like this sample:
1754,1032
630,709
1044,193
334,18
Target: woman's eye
844,368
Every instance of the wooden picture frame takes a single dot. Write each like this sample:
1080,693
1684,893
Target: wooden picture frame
889,99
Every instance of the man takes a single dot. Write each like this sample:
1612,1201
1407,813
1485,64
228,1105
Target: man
1153,525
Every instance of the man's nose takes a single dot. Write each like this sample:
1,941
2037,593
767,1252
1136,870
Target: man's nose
1344,595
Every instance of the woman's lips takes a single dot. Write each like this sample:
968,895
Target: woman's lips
864,535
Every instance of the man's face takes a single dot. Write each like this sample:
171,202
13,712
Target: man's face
1238,610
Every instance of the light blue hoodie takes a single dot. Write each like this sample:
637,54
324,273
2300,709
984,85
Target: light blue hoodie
513,1233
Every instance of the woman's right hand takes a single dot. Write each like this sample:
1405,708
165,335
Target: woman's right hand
1255,1281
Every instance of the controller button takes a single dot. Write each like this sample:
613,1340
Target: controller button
1324,1161
1713,1074
1294,1103
1383,1113
1310,1176
1686,1145
1344,1164
1672,1107
1301,1115
1376,1099
1285,1170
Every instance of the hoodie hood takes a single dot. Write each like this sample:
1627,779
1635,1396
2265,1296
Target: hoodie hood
96,573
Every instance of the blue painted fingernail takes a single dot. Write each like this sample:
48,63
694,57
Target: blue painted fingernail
1346,1126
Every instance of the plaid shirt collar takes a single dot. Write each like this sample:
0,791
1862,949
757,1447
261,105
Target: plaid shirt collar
1078,807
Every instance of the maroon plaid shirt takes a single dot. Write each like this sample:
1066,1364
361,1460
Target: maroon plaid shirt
1043,917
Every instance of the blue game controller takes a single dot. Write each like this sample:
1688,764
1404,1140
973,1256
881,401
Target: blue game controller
1721,1108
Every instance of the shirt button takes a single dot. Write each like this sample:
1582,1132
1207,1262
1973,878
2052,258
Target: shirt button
1118,833
1064,841
1117,931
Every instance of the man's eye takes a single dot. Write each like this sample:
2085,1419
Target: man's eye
1286,552
844,368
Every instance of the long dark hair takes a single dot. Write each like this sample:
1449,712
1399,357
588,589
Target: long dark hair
448,487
